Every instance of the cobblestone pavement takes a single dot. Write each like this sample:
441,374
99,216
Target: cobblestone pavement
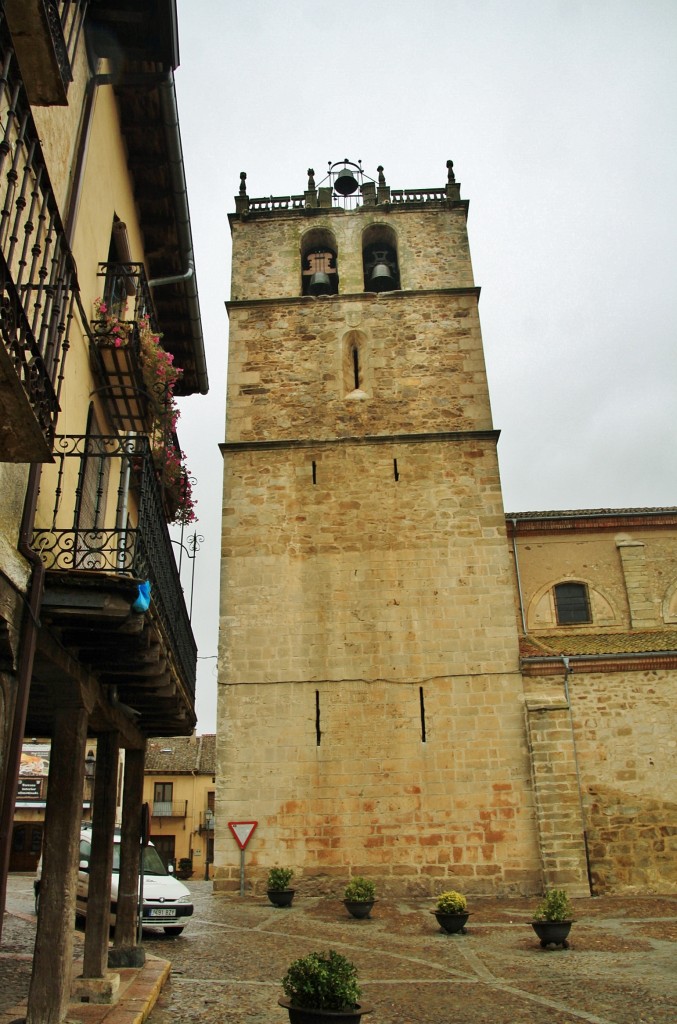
621,967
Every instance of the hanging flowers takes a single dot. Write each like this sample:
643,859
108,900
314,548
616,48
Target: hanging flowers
109,325
160,377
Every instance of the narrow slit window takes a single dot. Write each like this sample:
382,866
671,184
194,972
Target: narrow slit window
421,699
356,367
396,472
314,472
318,731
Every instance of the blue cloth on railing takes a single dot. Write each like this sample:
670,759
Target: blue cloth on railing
142,602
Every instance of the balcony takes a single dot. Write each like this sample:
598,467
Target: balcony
46,35
169,809
116,344
107,534
38,280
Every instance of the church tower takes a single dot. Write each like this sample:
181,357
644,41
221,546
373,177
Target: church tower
371,710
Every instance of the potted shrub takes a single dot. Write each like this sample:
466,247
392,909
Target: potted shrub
451,911
279,893
322,988
553,918
359,896
185,868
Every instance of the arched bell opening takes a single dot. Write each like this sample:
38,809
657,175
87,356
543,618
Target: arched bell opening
319,270
379,258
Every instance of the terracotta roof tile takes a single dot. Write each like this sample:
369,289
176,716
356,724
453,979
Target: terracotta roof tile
636,641
182,754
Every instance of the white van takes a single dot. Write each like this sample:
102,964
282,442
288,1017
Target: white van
166,901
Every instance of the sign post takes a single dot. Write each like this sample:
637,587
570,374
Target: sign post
243,831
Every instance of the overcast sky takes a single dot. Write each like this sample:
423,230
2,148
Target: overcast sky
561,118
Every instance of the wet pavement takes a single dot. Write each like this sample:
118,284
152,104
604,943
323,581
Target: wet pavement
620,968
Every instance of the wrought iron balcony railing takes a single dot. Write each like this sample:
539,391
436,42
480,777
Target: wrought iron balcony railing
126,303
170,809
115,523
38,280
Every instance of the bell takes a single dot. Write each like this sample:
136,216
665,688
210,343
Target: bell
319,284
345,183
381,278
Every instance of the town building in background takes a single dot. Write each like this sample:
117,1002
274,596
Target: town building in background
413,686
31,801
179,787
100,332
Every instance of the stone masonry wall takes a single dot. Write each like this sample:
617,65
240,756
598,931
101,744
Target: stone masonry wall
422,360
626,749
383,606
374,798
432,249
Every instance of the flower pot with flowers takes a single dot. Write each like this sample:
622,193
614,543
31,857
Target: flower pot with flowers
451,911
322,988
553,919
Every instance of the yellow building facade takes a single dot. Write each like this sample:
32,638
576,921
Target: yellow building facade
99,308
179,787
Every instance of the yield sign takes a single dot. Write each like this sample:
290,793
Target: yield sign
243,831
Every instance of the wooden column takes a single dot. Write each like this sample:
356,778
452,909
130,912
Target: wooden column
50,986
125,951
101,861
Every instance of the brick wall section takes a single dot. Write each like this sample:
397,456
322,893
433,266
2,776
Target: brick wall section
557,796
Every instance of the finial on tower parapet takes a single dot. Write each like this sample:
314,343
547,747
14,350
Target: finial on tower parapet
311,179
451,177
243,187
381,175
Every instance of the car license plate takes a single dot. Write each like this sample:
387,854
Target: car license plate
161,912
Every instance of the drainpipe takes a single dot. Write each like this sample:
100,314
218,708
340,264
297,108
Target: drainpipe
517,572
170,118
567,672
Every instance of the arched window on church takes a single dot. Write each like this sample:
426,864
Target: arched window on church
319,263
379,259
572,603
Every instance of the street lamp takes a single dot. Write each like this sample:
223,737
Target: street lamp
209,825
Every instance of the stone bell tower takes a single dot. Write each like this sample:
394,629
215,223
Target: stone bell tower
371,715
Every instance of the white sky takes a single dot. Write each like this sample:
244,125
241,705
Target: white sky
561,119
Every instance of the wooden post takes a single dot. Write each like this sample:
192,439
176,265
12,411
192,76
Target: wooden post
49,992
101,861
125,951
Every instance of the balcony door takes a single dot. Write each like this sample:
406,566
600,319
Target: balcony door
92,541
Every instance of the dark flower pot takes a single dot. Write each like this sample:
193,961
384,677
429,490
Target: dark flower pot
552,933
451,923
359,908
281,897
311,1015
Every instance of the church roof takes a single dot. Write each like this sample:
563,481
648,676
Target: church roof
635,641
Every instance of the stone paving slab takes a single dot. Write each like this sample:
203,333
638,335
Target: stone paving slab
621,967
